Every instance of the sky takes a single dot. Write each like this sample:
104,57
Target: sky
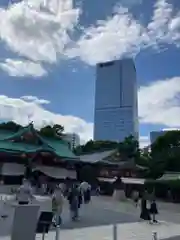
49,50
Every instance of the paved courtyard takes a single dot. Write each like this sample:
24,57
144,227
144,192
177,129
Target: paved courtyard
95,214
97,219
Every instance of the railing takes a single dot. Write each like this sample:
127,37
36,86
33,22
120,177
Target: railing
115,234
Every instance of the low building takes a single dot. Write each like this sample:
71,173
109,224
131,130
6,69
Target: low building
154,135
109,164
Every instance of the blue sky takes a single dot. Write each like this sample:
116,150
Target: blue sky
49,49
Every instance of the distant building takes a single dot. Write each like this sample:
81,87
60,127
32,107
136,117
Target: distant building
116,104
73,139
154,135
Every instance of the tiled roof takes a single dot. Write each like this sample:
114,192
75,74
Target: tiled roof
58,146
96,157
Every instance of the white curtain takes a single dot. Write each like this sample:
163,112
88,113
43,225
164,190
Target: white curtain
12,169
56,172
140,181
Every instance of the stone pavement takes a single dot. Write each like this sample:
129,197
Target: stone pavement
167,211
126,231
98,217
173,238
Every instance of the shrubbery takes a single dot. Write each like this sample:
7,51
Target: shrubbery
166,189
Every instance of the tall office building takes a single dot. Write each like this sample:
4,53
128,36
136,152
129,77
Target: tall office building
116,104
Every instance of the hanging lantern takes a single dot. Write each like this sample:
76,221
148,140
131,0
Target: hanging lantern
23,155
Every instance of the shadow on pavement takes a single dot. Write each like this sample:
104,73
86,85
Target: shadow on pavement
173,238
92,217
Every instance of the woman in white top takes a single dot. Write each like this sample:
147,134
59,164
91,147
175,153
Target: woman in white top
85,188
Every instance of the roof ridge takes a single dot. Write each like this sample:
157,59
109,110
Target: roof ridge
15,134
31,128
45,143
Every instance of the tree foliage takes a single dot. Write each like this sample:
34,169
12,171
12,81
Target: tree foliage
165,152
127,149
55,131
10,126
95,146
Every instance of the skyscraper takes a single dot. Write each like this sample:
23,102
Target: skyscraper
116,104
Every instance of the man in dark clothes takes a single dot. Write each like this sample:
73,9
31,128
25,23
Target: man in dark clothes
73,198
145,214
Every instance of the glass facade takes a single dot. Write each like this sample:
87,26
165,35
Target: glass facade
116,107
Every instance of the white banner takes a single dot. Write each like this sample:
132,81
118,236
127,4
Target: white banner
56,172
12,169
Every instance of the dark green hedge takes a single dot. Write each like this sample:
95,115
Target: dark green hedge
165,189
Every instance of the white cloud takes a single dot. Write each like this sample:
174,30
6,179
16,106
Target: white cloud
35,100
23,68
109,39
122,35
41,30
22,112
159,102
38,29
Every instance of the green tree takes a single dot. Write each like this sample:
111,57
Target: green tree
58,129
144,158
11,126
47,131
129,148
165,154
95,146
55,131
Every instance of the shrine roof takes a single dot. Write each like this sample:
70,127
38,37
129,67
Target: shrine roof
9,143
96,157
107,157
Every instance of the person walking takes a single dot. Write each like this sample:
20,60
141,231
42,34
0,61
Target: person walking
24,194
85,188
57,205
145,213
73,198
135,197
153,210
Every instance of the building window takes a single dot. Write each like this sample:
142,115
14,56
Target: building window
106,64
